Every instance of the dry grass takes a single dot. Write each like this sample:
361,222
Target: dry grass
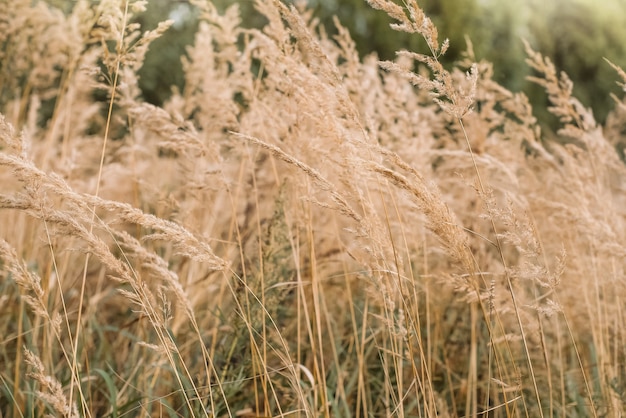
299,232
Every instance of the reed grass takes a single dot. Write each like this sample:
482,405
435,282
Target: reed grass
299,232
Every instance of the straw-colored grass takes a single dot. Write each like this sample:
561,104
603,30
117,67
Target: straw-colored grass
299,232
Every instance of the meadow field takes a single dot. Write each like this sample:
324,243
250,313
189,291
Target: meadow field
300,232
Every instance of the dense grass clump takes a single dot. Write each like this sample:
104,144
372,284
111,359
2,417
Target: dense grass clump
299,232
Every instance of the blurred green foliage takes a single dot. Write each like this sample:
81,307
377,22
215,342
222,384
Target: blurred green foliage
162,69
575,34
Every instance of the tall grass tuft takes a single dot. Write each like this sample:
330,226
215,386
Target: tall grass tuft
298,231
